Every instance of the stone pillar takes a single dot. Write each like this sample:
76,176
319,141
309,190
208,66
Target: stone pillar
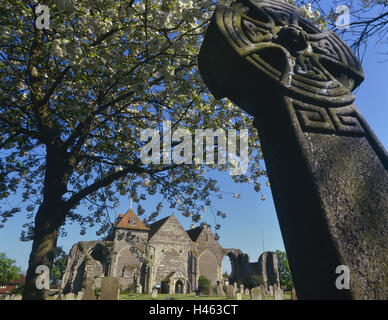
328,171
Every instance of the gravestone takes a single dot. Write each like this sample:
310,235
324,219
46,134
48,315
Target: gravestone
7,297
234,288
263,291
139,288
238,296
89,290
18,297
241,288
247,293
79,295
211,291
12,297
327,170
154,293
293,294
109,288
278,294
271,291
70,296
256,294
229,292
220,290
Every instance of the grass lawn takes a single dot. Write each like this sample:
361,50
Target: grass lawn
191,296
137,296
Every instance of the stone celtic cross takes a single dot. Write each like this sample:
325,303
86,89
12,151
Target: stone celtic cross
328,171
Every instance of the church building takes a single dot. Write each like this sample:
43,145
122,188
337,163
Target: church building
160,255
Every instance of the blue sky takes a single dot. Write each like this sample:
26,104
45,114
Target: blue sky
247,216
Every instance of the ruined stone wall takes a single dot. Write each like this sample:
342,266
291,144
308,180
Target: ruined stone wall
211,269
268,268
128,257
89,259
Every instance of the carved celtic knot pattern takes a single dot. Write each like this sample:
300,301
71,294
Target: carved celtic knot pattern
311,65
341,121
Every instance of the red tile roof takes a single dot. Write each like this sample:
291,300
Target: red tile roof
125,222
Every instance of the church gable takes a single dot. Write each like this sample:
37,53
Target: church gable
168,230
206,239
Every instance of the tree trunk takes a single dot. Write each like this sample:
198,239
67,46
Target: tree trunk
48,221
49,218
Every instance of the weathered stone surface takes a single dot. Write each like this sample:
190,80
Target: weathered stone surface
80,295
211,291
89,290
7,297
256,294
278,294
238,295
220,290
293,294
241,288
247,292
271,290
229,292
297,82
263,291
235,288
109,288
18,297
154,293
70,296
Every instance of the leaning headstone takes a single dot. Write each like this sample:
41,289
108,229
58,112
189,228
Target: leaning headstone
263,291
293,294
211,291
154,293
278,292
70,296
89,290
297,82
247,293
220,290
256,294
229,292
109,288
238,296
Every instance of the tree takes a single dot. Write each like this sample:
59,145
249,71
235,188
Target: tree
284,270
253,281
74,100
204,284
59,265
368,23
9,272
